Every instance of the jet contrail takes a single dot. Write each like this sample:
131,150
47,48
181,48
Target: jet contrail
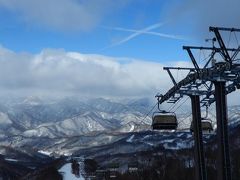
135,34
146,32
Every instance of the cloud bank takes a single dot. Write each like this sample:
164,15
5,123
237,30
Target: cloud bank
216,12
74,15
57,72
204,13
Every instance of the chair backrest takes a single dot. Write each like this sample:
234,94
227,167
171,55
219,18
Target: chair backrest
164,121
206,125
164,118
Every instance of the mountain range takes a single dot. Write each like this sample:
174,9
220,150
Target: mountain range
68,125
32,131
42,124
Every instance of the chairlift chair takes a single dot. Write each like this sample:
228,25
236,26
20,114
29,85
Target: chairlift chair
163,120
206,125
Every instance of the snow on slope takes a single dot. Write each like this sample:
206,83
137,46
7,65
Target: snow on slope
4,120
108,117
67,127
130,139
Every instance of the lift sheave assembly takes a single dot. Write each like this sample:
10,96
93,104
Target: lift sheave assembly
208,81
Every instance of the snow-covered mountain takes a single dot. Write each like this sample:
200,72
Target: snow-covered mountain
39,123
68,125
69,117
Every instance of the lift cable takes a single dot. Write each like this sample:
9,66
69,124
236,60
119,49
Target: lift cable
234,55
204,56
199,57
236,38
229,39
181,104
184,118
173,106
146,115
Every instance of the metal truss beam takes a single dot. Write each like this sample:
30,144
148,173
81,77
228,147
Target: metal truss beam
193,59
211,28
171,76
221,43
208,74
208,48
178,68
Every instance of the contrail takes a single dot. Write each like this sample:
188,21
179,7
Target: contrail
171,36
135,34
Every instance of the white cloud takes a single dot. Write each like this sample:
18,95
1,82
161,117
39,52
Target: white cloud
201,14
216,12
54,72
59,73
63,14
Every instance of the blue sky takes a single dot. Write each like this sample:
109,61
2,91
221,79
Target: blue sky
77,46
20,35
35,25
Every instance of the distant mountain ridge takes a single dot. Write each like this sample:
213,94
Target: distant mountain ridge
67,125
69,117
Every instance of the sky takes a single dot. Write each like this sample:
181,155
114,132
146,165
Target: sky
87,26
102,47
